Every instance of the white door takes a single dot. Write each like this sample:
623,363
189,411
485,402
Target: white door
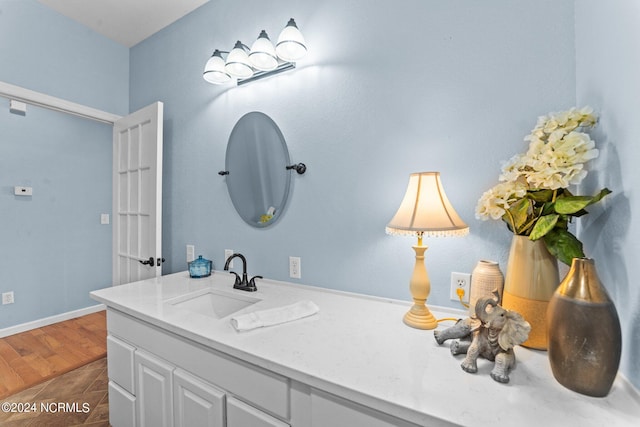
137,195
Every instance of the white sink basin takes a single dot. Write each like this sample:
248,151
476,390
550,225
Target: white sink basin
213,303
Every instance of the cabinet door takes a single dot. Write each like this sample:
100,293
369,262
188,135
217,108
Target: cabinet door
196,403
120,363
239,414
154,386
122,407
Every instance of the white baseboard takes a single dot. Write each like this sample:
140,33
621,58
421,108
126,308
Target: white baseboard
50,320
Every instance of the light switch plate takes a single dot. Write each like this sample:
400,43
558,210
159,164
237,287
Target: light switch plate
22,191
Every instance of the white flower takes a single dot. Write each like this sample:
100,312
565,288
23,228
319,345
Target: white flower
513,168
495,201
554,159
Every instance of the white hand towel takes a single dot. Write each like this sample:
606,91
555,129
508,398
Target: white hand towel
274,316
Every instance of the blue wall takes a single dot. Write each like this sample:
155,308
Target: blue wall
387,89
44,51
608,58
53,250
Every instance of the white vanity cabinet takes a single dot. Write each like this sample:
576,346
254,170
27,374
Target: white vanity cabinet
157,379
165,395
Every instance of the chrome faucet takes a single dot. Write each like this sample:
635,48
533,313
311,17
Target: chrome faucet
244,284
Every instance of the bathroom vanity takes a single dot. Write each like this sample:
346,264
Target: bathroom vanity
174,359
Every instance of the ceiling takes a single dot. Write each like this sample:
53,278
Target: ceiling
127,22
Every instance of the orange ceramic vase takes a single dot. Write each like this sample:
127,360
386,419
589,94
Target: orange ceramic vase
531,279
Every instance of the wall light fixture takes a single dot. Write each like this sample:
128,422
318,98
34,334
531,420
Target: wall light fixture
246,64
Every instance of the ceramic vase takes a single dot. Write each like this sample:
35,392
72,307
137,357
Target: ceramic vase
531,279
486,278
585,340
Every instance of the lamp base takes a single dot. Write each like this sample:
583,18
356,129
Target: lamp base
420,317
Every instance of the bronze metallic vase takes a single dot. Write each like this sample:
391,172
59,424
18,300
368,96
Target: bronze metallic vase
585,341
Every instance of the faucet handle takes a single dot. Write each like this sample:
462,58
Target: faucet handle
252,282
238,281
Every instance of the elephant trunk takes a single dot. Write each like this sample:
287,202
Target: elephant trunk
481,308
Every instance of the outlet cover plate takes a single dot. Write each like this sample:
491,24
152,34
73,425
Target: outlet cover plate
460,280
294,267
7,298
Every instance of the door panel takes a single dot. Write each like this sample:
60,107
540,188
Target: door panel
154,390
196,403
137,195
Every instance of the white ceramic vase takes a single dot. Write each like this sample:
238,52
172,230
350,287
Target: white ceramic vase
485,278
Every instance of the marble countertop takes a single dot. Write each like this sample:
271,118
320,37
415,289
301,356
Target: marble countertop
358,348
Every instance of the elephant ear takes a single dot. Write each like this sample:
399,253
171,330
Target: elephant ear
515,331
474,323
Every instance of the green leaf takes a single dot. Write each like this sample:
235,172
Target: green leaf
518,212
540,196
544,225
548,208
563,245
571,205
574,204
600,195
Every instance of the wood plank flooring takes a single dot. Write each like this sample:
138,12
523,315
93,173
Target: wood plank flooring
83,393
35,356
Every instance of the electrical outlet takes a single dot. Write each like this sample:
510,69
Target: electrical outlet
460,281
7,298
191,253
294,267
227,254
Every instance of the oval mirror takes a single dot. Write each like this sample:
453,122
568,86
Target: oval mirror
256,164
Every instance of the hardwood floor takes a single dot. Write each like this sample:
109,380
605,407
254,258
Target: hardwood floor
77,398
35,356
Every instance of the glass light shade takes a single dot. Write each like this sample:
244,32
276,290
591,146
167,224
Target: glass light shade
426,209
238,64
291,45
214,71
263,54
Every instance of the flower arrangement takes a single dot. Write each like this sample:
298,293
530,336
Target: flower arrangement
532,196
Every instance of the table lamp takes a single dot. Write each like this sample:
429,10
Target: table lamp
424,211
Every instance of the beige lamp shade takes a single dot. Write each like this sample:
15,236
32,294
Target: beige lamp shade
425,209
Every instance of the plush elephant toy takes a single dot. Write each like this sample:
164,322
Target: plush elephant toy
491,333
